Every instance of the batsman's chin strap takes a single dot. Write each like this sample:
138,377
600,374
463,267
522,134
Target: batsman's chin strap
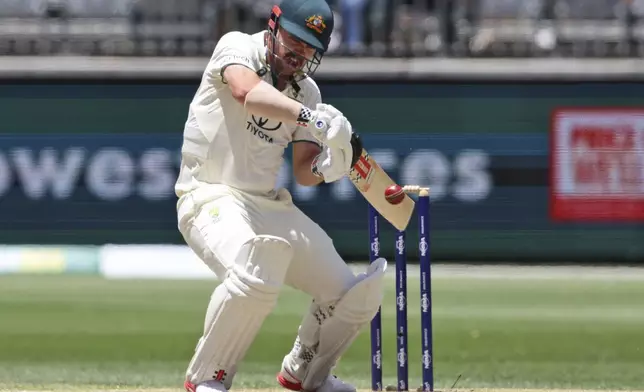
296,89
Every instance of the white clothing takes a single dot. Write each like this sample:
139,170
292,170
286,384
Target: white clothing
224,143
227,195
316,268
229,166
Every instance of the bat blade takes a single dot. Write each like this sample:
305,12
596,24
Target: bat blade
371,181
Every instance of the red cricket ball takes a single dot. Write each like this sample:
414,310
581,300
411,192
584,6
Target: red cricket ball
394,194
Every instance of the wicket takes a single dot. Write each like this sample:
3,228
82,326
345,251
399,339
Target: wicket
424,250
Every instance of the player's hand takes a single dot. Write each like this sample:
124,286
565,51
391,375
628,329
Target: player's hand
329,126
331,164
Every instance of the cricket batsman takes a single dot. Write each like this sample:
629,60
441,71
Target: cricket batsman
255,98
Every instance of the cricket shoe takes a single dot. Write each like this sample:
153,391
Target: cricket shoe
206,386
332,384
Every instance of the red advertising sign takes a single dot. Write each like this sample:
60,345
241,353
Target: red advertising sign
597,165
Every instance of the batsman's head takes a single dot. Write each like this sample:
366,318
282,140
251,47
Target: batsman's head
299,35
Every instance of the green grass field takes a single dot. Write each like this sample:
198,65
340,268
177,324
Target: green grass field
83,333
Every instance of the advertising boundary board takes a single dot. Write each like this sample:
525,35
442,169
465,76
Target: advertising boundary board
579,241
49,260
612,189
490,196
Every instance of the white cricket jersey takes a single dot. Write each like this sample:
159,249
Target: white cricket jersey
225,144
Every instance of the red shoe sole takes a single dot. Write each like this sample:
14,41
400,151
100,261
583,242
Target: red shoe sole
293,386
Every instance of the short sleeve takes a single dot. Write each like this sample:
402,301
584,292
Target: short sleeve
311,99
233,48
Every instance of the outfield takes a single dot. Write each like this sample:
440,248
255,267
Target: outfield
526,331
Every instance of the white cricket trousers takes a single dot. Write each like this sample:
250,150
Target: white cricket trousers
221,219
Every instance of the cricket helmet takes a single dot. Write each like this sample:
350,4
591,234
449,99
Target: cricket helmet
309,21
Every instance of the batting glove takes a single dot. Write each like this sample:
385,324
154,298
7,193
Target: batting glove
333,163
327,124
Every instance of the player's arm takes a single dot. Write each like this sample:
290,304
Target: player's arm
233,65
304,152
259,97
262,99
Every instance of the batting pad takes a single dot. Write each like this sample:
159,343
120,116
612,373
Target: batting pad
339,325
238,308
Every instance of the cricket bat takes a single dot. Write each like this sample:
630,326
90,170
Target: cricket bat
372,181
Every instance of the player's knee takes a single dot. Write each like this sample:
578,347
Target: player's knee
362,301
260,269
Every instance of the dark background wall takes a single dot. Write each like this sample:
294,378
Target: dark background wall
94,162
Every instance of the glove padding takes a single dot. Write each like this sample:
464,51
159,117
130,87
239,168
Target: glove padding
333,163
330,127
